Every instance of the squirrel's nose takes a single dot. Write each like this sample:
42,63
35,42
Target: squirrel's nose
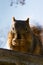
18,36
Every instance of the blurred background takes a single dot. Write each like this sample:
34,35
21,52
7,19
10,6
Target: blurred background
20,9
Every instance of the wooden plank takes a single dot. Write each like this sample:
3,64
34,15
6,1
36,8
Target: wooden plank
10,57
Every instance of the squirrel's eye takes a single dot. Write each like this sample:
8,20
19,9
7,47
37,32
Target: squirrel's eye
26,29
13,28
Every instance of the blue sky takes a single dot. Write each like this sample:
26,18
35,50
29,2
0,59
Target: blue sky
32,9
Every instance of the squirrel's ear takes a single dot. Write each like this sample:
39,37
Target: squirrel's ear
13,19
27,20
